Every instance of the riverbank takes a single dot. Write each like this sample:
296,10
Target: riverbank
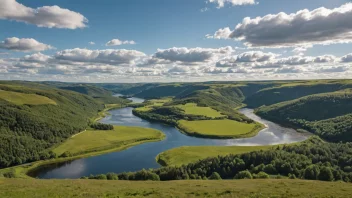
90,143
260,188
190,154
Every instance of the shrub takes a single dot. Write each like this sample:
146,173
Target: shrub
244,175
215,176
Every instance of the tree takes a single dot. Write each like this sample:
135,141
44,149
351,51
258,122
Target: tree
326,174
215,176
112,176
244,175
311,172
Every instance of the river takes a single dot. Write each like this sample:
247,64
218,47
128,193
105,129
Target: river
143,156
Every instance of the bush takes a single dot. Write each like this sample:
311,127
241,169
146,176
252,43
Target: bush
112,176
215,176
101,126
244,175
101,177
261,175
326,174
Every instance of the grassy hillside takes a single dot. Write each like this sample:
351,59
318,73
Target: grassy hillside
225,129
37,118
98,140
194,109
191,154
293,90
22,98
232,188
328,115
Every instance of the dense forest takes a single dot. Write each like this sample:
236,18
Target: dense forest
327,115
27,131
313,159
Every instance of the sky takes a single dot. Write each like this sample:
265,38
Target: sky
175,40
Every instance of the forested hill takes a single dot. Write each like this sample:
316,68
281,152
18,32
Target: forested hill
99,93
329,115
34,117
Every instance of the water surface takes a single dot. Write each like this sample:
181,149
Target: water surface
143,156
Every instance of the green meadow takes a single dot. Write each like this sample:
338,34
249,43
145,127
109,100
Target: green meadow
259,188
22,98
189,154
193,109
98,140
219,128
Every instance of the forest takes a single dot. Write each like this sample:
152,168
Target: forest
27,131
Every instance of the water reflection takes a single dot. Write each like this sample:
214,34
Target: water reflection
143,156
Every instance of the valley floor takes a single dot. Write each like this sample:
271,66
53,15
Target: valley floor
229,188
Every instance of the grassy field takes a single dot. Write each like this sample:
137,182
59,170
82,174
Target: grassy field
189,154
19,188
95,140
193,109
219,128
22,98
154,103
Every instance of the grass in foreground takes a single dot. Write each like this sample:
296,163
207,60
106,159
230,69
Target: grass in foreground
189,154
193,109
22,98
219,128
96,140
226,188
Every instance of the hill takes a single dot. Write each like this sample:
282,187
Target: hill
34,117
327,115
99,93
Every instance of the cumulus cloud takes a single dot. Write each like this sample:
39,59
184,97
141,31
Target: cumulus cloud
115,42
109,56
221,3
191,55
303,28
23,44
91,43
220,34
246,57
46,16
347,58
37,58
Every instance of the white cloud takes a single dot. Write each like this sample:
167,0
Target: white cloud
91,43
46,16
23,44
115,42
109,56
37,57
304,28
221,3
192,55
220,34
255,56
347,58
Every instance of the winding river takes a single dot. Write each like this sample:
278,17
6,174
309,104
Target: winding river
143,156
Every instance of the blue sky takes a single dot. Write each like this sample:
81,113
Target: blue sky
153,25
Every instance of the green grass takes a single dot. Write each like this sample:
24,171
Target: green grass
190,154
22,98
193,109
265,188
96,140
154,103
219,128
